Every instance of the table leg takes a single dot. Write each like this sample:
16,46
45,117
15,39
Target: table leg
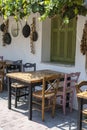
30,102
9,92
80,108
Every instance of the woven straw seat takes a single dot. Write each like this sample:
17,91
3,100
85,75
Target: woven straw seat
38,94
17,85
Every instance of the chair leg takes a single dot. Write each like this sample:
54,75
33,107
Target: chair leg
71,101
15,97
18,94
0,87
53,106
64,105
43,105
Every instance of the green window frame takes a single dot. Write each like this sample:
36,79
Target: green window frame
63,41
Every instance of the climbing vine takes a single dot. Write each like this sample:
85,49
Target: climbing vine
67,9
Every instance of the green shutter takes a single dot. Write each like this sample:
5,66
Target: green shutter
63,41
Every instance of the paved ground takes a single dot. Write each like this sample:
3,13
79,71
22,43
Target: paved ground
17,119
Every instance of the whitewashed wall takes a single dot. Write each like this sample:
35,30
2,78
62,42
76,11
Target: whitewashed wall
20,48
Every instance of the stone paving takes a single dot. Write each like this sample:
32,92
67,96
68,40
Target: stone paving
17,119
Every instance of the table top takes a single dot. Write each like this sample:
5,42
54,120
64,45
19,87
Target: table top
82,95
31,77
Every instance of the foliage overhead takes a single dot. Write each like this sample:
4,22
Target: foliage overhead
67,9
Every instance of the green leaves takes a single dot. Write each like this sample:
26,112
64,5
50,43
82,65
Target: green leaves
67,9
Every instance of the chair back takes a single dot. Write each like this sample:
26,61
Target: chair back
1,58
29,67
17,62
82,86
13,68
50,84
70,80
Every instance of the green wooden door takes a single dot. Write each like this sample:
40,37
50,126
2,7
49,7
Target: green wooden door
63,41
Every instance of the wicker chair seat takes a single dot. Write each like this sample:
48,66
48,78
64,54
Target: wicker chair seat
18,85
60,91
38,94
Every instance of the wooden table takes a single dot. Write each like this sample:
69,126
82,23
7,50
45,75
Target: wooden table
82,97
31,79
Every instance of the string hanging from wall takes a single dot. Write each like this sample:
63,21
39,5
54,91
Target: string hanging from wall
31,39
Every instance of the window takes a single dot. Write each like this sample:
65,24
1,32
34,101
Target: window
63,41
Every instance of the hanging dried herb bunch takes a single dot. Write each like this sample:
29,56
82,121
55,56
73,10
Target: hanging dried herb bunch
31,37
83,45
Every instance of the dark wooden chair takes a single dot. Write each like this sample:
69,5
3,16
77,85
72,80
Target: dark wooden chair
15,66
29,67
20,89
46,98
19,63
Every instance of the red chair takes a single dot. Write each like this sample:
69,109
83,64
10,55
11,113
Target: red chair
67,88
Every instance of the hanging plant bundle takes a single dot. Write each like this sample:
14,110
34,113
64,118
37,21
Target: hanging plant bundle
35,36
34,32
83,45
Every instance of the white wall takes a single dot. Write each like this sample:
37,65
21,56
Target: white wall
20,47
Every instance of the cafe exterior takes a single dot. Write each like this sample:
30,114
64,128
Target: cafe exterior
43,49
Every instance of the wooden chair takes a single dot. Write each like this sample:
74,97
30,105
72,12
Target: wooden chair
29,67
46,98
80,87
18,63
12,68
21,89
2,74
15,66
66,90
